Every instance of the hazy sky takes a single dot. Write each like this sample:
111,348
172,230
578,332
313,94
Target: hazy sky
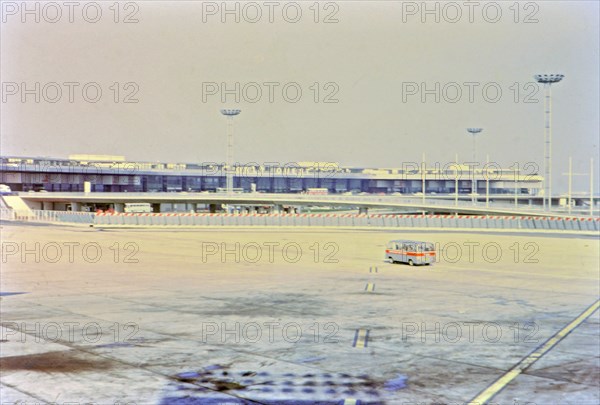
371,61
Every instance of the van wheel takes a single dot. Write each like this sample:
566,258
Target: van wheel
391,260
410,262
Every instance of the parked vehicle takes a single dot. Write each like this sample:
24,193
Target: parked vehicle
411,252
317,191
138,207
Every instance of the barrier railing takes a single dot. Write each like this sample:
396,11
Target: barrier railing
8,214
352,220
324,220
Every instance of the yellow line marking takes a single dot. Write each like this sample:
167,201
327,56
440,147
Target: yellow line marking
361,338
370,287
525,363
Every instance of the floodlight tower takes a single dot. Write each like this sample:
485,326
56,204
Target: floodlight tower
230,171
474,132
547,80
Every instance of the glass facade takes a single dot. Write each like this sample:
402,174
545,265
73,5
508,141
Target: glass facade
26,174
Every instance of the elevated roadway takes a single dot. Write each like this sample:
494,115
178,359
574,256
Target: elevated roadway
361,202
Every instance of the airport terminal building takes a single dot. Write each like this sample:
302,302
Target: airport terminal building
115,174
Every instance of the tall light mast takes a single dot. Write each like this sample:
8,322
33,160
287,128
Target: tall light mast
548,80
229,162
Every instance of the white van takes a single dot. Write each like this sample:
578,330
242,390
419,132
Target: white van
4,189
410,251
138,207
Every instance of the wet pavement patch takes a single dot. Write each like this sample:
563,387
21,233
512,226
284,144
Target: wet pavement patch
7,294
68,361
269,305
396,383
218,381
247,386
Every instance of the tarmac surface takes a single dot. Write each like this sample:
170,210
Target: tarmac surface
271,316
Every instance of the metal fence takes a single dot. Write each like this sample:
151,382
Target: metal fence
352,220
323,220
47,216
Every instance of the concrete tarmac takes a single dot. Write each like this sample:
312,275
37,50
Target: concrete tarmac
270,316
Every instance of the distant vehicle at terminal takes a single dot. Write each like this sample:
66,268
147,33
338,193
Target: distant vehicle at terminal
410,251
317,191
4,189
235,190
137,207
